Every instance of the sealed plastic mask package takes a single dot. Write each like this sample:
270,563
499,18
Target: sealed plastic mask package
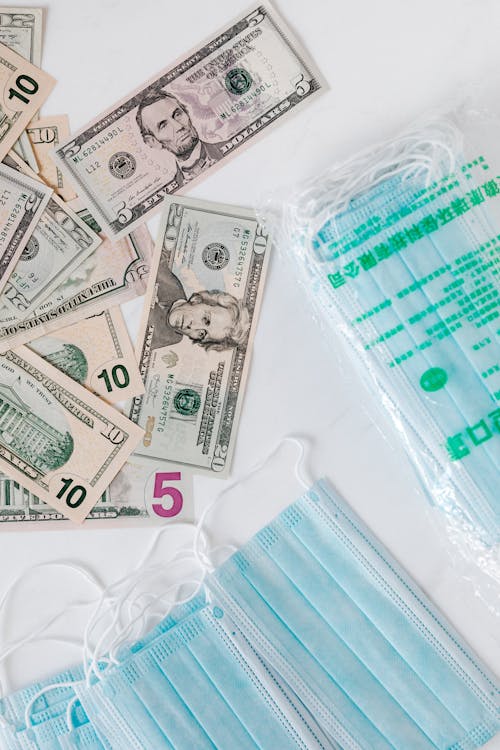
311,636
399,249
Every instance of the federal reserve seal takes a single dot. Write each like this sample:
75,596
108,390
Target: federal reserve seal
187,402
238,81
215,256
31,249
122,165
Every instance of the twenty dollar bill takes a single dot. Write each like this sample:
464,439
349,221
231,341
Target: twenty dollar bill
189,119
56,439
200,315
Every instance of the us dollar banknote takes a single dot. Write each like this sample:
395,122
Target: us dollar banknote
59,243
23,148
22,203
21,31
56,439
189,119
114,273
194,345
140,494
45,134
96,352
24,88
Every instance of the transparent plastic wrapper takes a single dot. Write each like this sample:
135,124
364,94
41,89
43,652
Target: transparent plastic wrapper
399,251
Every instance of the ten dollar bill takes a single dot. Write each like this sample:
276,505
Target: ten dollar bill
96,352
56,439
21,31
23,90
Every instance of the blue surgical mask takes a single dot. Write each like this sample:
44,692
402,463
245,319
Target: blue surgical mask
177,614
199,685
311,637
43,704
45,728
82,738
409,273
337,615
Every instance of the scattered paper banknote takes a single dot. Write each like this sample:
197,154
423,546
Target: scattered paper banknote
22,203
24,88
114,273
96,352
21,31
199,321
60,242
159,490
23,148
45,134
189,119
57,439
140,493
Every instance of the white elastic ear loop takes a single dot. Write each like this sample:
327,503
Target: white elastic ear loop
36,635
117,601
42,691
69,713
204,558
87,574
421,152
93,658
123,634
171,602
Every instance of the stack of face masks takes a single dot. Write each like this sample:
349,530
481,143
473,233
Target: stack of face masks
310,637
401,249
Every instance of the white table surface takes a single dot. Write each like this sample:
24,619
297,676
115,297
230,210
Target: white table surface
386,62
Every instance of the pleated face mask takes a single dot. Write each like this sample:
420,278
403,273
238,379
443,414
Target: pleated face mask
406,268
311,636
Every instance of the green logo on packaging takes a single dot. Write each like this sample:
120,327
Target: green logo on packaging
433,379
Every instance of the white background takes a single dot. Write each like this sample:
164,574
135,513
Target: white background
386,62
